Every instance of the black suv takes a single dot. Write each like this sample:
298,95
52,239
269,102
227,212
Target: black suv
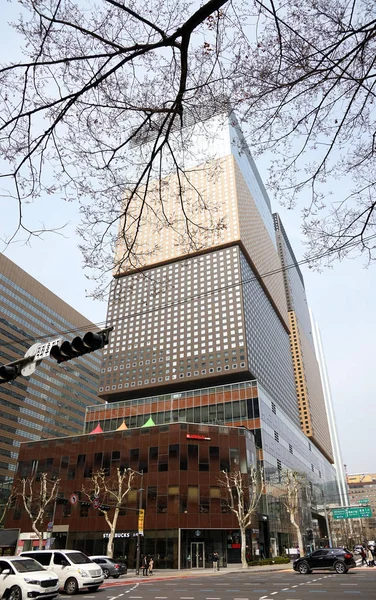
339,559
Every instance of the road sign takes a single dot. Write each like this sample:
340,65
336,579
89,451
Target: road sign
141,517
363,501
96,503
29,368
43,350
73,499
352,512
50,526
36,353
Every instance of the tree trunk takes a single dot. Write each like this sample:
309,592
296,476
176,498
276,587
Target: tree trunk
110,544
39,534
298,533
243,548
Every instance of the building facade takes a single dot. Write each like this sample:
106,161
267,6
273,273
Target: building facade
53,400
362,492
186,517
223,312
309,390
203,341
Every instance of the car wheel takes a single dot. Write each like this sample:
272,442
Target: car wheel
106,573
340,567
15,593
71,586
303,568
116,576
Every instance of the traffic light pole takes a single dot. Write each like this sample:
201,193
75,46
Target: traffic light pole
138,552
58,349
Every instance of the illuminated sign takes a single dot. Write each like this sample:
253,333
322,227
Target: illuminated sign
195,436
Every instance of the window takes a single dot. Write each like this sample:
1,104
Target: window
153,453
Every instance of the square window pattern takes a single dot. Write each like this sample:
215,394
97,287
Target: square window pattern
146,345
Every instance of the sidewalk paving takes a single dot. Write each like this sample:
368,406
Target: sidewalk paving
131,576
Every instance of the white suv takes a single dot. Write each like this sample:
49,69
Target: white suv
74,569
22,578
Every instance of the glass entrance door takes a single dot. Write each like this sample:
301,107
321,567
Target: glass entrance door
197,555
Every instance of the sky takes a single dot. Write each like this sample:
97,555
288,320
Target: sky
341,298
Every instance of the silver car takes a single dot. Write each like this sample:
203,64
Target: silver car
110,566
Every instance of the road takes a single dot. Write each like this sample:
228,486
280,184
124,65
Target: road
281,585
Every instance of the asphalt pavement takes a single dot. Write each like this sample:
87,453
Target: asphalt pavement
275,582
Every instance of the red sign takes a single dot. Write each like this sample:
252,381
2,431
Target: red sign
73,499
96,503
196,436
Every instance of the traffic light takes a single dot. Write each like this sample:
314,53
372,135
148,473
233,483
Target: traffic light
8,373
80,345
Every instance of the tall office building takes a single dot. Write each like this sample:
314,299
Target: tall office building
200,346
188,319
194,325
309,391
53,400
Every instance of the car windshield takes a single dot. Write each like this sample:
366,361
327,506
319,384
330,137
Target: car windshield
27,565
79,558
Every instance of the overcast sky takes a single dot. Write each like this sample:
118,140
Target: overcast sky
342,300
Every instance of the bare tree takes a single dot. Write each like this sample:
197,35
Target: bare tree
37,493
111,492
293,483
95,113
5,504
243,494
312,83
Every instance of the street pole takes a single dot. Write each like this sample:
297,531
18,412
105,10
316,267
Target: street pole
138,528
328,528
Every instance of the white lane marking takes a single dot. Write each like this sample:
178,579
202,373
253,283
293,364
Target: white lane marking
273,593
349,584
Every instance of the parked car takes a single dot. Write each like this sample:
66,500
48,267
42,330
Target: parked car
338,559
110,566
74,569
22,578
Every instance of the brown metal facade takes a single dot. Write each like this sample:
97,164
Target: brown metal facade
181,465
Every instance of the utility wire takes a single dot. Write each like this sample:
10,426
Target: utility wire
190,298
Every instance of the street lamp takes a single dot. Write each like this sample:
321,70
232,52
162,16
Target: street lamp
139,511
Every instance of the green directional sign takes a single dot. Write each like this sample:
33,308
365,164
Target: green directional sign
363,501
352,512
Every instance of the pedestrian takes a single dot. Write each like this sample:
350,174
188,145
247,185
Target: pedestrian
215,559
364,556
370,557
145,565
151,565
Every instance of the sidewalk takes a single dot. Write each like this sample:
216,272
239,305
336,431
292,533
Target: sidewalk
131,576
